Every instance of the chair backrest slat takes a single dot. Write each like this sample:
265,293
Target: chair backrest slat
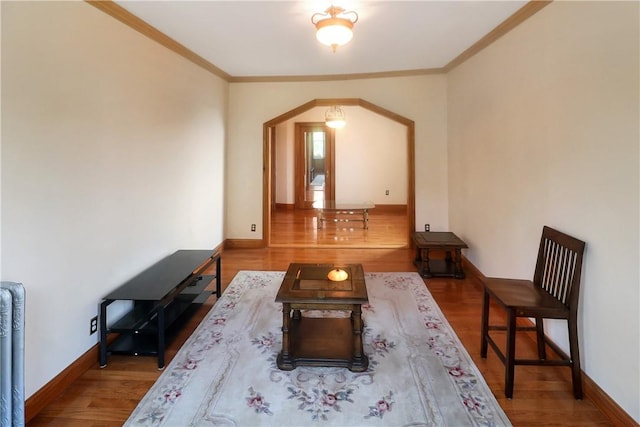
559,265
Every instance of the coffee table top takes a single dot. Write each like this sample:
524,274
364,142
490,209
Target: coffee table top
425,239
308,283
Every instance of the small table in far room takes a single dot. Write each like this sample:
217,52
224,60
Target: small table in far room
443,241
343,212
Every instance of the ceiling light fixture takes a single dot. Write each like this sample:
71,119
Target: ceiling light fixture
334,27
335,118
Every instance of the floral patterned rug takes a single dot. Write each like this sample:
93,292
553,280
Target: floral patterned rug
226,375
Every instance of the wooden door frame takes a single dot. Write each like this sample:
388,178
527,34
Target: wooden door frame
267,165
300,166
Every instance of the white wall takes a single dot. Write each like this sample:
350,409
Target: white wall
112,158
544,129
421,98
370,152
285,163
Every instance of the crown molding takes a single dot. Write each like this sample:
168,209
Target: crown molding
121,14
335,77
521,15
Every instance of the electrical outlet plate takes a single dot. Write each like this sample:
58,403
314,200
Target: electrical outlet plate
93,326
253,227
427,227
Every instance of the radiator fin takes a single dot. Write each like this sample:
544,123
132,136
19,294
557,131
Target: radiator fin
12,299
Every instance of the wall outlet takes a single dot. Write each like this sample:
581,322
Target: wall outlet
253,227
93,325
386,193
427,227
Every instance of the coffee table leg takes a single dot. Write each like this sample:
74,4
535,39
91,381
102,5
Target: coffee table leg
284,360
360,361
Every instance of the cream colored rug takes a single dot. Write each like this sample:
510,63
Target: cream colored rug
226,375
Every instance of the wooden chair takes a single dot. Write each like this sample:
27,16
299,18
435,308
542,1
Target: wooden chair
553,294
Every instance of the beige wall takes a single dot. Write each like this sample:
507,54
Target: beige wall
543,129
112,158
422,99
371,157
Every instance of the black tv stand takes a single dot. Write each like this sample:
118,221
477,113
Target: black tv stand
162,296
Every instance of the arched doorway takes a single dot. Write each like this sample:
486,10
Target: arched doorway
269,155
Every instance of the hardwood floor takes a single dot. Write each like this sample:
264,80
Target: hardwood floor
542,397
387,229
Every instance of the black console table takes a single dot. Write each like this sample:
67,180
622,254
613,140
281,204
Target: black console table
161,294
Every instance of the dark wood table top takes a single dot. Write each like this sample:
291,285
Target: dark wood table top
308,283
443,239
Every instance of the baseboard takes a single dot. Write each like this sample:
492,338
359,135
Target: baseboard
50,391
243,244
606,404
389,209
591,390
285,206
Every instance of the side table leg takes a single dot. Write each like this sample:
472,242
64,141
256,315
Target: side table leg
447,257
365,219
426,268
458,272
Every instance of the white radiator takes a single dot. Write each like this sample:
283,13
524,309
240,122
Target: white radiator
11,354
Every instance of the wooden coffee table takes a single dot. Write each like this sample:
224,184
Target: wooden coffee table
443,241
322,341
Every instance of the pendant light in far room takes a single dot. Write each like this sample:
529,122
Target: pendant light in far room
335,118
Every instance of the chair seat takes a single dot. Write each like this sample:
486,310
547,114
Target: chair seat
525,298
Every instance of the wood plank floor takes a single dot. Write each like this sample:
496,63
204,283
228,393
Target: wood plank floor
298,228
542,396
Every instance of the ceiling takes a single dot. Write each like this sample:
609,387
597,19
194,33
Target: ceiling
250,39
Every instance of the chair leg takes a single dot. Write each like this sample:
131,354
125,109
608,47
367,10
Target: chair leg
542,353
510,354
485,324
576,372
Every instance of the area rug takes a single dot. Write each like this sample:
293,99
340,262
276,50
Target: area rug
419,374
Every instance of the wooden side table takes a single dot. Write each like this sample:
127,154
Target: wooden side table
322,341
445,241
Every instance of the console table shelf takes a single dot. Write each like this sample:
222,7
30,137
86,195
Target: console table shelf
163,296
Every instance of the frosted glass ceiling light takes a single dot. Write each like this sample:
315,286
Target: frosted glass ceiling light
335,118
334,27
